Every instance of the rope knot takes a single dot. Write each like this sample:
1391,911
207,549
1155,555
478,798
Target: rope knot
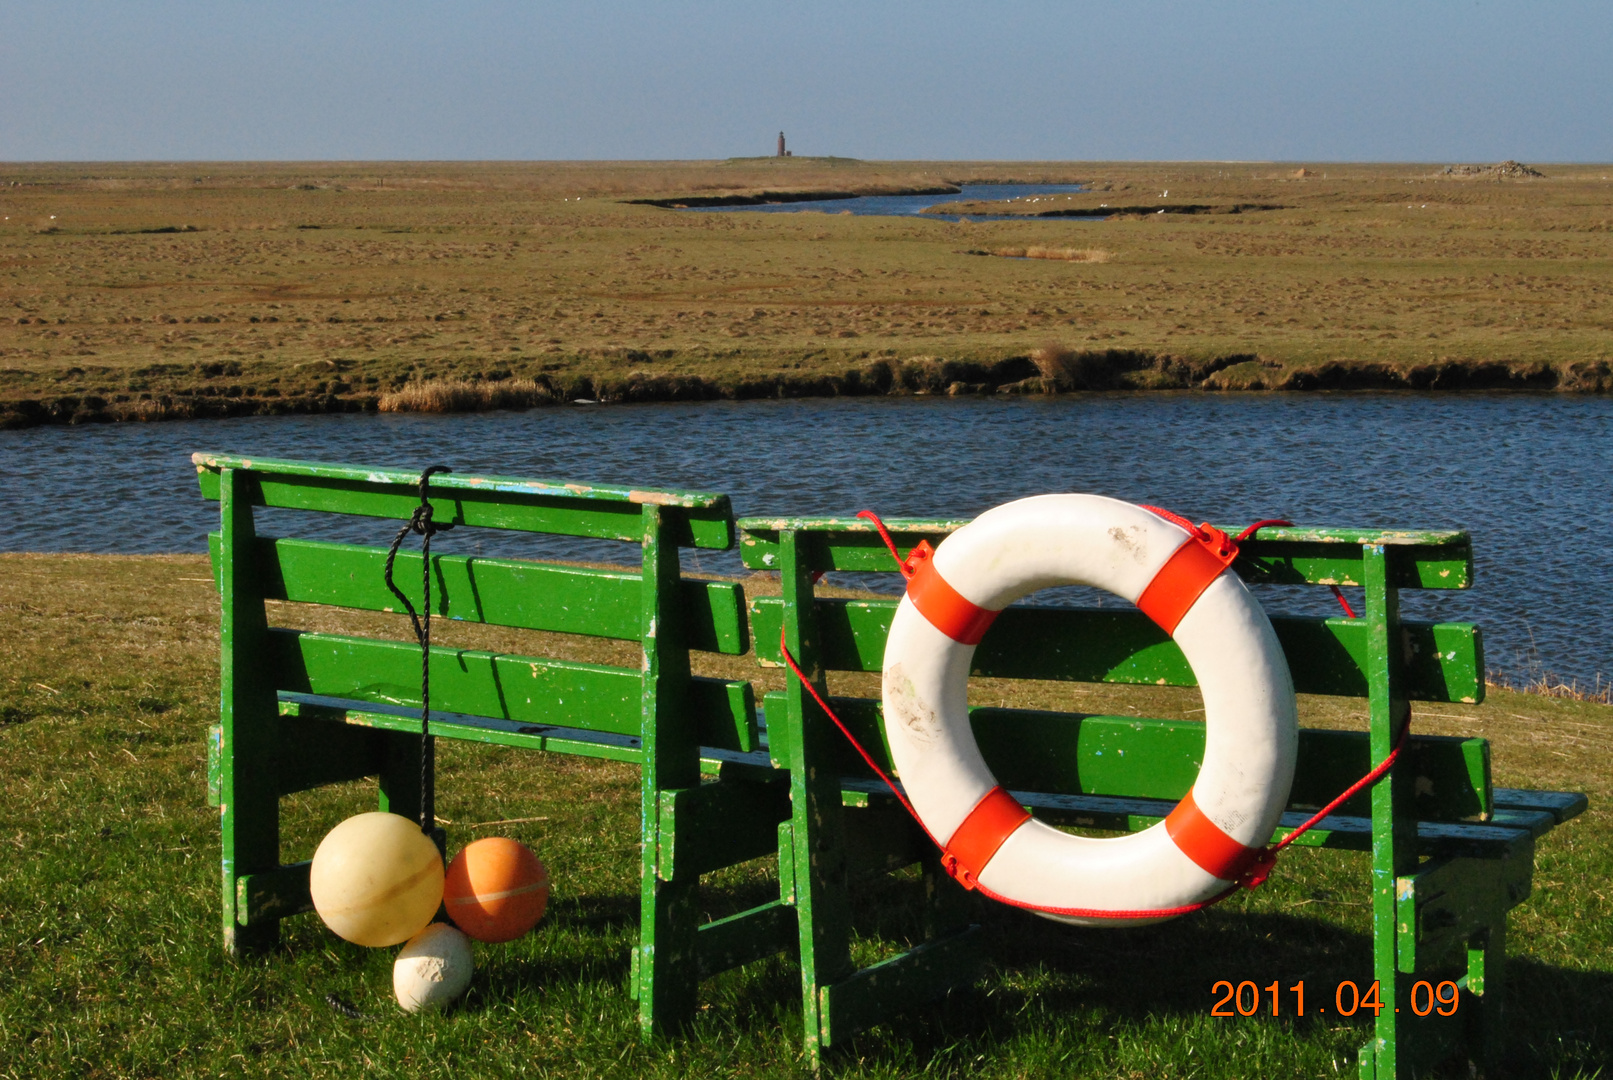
420,522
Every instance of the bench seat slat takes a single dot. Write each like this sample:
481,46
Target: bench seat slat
492,732
1562,805
498,592
528,690
476,729
598,511
1535,822
1346,832
1326,656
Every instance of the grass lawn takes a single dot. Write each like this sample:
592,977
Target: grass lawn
110,961
147,290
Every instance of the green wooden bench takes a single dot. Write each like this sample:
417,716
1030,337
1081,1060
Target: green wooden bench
1451,854
299,710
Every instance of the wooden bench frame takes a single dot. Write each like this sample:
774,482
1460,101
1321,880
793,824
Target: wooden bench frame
1450,853
301,710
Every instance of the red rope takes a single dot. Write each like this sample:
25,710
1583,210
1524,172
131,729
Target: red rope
885,535
1251,879
1174,519
1349,793
784,647
1345,604
1256,527
1338,593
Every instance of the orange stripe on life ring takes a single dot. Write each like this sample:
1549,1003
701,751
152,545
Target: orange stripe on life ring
1184,577
947,610
973,843
1202,840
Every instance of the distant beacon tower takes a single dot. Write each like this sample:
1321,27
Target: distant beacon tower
781,144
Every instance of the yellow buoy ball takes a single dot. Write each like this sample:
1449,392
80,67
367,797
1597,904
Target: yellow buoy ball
376,879
433,968
497,889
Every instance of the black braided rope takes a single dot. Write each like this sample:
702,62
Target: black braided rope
420,522
343,1006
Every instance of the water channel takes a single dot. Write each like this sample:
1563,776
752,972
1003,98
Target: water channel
1527,474
912,205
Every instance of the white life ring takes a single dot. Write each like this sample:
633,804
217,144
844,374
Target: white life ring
1176,576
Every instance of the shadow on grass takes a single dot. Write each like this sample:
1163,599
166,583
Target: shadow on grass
596,913
1559,1022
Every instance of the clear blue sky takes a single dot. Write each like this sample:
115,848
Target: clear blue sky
1440,80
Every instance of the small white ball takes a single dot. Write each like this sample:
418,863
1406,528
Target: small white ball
433,968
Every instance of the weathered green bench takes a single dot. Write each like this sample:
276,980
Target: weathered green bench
300,710
1451,854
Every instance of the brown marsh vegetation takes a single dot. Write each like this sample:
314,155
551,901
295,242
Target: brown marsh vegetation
147,291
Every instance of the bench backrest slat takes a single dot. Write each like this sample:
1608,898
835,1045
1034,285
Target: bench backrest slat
1326,656
480,683
498,592
1294,556
523,689
598,511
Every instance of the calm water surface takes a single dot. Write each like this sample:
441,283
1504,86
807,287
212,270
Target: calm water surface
910,205
1527,475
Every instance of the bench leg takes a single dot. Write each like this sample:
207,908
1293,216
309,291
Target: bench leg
1394,832
822,911
1483,1001
249,802
249,825
666,967
817,842
666,961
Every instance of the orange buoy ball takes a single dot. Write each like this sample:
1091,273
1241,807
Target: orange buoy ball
376,879
496,889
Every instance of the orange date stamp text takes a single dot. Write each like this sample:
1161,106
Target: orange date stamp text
1248,998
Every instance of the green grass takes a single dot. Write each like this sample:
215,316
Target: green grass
110,964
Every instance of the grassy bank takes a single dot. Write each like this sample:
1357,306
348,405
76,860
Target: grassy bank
109,953
151,291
